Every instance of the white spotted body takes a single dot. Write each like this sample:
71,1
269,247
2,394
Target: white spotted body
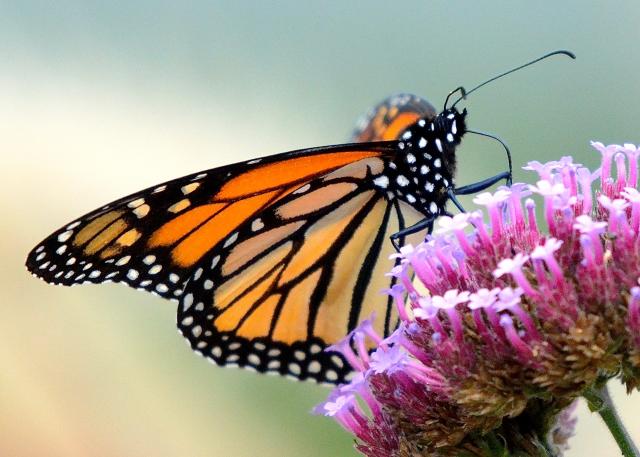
425,164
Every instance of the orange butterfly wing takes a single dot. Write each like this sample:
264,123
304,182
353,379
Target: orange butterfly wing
153,239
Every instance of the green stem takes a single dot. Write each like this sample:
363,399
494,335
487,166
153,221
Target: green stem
600,401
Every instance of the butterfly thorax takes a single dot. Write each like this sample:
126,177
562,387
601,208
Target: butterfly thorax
425,164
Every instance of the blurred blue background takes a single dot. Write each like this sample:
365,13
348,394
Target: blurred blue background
99,99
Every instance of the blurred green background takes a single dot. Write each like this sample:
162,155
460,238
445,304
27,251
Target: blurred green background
99,99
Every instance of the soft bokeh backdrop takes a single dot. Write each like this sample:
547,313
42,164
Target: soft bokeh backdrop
99,99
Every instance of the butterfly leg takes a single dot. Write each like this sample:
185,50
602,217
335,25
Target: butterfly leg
418,227
482,185
452,196
506,149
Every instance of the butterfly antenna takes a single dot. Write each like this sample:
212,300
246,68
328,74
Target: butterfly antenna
464,93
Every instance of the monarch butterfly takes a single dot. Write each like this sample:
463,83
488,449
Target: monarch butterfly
273,259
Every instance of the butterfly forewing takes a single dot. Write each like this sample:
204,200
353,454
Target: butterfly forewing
153,239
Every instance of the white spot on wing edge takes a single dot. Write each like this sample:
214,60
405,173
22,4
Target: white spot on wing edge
331,375
123,260
132,274
187,301
73,225
135,203
253,359
64,236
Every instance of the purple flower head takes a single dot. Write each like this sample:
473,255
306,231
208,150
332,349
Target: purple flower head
518,319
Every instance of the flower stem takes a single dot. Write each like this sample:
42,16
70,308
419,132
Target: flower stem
600,401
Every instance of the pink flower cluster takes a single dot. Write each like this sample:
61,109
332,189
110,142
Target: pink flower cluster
502,321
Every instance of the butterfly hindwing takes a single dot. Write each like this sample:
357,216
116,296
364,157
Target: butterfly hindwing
298,279
389,118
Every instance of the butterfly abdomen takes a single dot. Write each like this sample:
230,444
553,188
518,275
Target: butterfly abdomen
425,164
